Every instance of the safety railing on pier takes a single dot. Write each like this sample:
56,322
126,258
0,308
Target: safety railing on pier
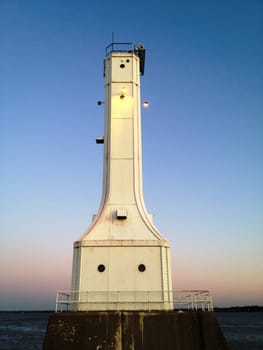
134,300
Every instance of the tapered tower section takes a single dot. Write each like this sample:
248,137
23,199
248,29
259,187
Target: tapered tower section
122,260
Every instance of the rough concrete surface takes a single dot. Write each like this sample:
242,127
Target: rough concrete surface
189,330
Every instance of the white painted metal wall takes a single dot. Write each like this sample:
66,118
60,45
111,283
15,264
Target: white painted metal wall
122,240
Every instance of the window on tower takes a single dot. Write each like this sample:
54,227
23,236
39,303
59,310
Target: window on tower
141,267
101,268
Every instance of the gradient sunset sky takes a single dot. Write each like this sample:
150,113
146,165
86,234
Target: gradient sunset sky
202,139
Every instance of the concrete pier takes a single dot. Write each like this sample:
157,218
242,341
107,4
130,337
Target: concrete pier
171,330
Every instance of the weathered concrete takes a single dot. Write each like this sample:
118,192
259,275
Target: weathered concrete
134,331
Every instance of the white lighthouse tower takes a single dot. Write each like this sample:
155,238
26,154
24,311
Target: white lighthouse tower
122,261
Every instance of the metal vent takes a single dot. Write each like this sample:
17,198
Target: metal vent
121,214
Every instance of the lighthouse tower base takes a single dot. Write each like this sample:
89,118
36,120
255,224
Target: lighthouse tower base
131,330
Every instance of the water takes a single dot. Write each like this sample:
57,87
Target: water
242,330
26,330
22,330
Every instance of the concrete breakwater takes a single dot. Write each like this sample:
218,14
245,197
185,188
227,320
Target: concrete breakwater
169,330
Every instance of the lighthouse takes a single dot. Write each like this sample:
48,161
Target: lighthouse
121,295
122,259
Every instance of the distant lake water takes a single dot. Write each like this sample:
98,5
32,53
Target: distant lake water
26,330
242,330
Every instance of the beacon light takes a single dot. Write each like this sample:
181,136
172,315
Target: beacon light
145,104
123,92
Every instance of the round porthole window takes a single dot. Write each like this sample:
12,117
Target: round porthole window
101,268
141,268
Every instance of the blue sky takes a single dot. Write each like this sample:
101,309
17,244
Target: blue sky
202,139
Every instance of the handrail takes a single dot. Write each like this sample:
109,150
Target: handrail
120,47
134,300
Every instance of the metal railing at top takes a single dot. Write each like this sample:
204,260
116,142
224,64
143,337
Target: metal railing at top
120,47
134,300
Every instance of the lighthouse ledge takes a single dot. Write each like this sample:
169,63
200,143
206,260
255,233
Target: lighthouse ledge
134,330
